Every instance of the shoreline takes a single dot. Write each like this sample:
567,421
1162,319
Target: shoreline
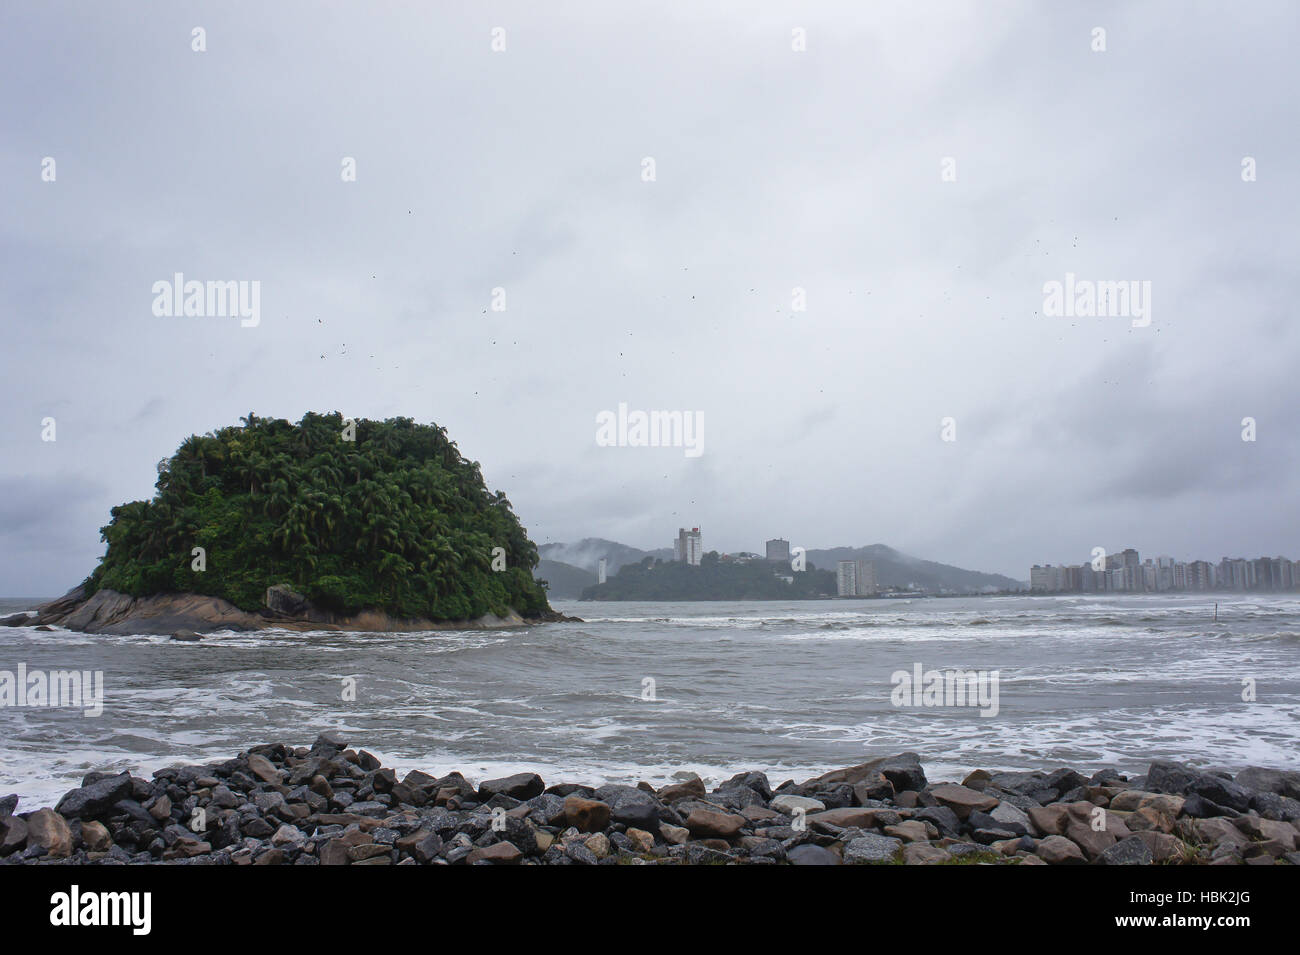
186,616
330,804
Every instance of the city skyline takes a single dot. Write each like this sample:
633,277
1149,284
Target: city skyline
1126,572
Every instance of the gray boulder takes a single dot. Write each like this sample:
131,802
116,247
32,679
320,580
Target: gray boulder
870,847
1169,777
95,799
630,806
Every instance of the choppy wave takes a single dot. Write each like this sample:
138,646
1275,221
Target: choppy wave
652,691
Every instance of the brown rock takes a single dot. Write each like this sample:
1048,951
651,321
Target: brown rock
848,818
161,808
710,824
95,837
335,852
1131,800
963,800
1150,818
1283,833
690,789
1058,850
598,843
921,853
1049,820
1006,847
262,768
1218,832
47,829
642,841
499,853
911,831
586,815
674,835
1093,842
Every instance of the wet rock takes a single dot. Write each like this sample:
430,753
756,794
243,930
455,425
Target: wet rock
943,818
519,786
1169,777
96,798
903,771
262,768
1277,781
630,806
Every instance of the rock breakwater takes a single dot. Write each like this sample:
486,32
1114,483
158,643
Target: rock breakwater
329,804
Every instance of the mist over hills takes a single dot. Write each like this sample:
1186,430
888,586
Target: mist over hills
587,553
896,569
569,568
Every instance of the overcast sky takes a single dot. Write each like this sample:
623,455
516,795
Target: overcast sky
775,170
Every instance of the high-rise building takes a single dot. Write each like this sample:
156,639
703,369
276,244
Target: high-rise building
778,550
688,547
846,578
866,578
1039,577
600,571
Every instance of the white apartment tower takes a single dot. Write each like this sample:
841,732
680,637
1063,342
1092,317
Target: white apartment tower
688,546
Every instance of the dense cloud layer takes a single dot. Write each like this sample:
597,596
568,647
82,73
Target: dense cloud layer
775,170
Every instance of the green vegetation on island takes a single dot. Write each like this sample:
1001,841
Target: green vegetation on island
365,515
713,579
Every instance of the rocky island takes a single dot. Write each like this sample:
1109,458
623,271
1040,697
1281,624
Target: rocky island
330,523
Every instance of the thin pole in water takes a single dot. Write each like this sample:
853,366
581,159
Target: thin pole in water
1216,612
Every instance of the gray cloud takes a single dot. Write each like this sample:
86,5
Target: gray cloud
776,170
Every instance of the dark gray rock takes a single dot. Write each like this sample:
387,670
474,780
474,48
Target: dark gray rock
944,818
1169,777
286,601
1277,781
95,799
1272,806
1130,851
758,782
808,854
631,806
519,786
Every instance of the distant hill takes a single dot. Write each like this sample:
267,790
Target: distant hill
563,580
896,569
587,552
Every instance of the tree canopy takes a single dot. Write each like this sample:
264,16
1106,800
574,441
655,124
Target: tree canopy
394,519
